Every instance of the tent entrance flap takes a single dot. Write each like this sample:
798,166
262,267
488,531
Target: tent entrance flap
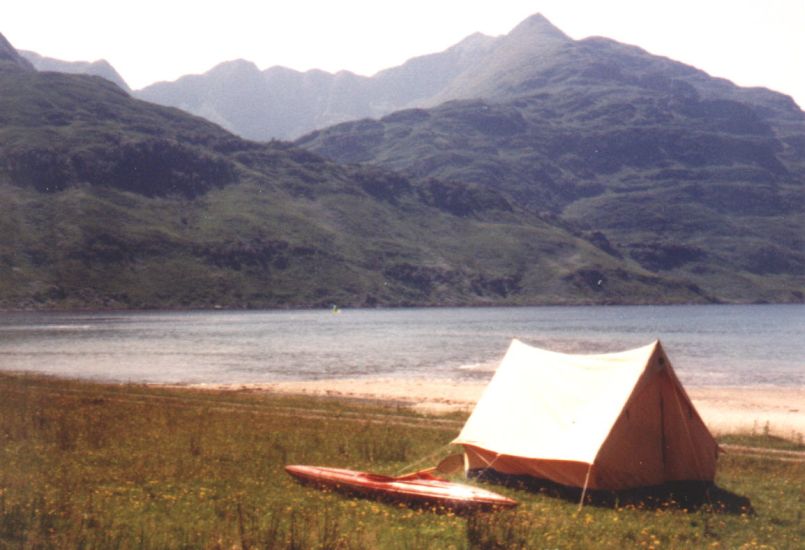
560,471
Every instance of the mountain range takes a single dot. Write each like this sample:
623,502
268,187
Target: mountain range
112,202
523,169
281,103
686,174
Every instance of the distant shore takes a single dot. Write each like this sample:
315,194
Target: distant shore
775,410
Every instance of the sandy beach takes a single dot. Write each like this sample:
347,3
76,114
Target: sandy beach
781,411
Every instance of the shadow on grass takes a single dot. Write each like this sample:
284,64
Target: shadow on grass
681,495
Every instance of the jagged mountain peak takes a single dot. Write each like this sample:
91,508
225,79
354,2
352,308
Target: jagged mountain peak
537,24
507,61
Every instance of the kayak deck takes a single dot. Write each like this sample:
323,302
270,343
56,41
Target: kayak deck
417,489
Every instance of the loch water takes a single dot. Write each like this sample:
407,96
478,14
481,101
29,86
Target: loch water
714,345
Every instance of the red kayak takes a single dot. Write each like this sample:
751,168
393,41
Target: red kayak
421,488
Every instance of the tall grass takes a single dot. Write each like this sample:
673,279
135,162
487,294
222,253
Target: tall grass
96,466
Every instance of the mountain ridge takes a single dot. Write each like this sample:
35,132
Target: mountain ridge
100,67
319,99
316,98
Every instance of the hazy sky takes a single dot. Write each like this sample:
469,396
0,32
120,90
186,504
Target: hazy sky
751,42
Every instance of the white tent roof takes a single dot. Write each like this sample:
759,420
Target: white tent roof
549,405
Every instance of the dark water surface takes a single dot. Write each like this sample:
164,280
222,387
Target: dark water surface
758,345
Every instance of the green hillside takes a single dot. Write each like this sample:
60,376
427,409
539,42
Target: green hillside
111,202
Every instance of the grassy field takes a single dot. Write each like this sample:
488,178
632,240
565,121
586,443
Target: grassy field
103,466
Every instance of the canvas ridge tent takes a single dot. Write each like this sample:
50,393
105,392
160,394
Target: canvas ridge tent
614,421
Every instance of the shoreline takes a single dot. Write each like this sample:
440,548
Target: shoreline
778,411
755,410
